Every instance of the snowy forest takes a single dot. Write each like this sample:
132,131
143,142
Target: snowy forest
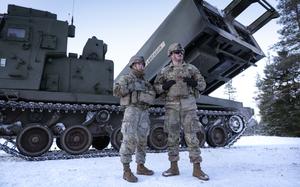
279,90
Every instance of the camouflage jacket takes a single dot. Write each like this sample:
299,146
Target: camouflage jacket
134,90
178,73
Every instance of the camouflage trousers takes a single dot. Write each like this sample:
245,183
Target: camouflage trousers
182,114
135,129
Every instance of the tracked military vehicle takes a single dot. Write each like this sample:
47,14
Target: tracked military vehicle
48,95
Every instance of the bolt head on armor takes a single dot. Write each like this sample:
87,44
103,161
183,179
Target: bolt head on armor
175,47
136,59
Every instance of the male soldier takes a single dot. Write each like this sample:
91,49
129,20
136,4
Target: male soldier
136,94
181,83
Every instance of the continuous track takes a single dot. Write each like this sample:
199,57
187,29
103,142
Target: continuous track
8,144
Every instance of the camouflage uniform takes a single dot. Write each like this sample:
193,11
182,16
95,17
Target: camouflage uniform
181,108
135,93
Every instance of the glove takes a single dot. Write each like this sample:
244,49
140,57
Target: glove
190,82
166,85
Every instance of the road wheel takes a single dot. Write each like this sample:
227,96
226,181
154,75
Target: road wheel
217,136
34,140
76,139
100,142
157,138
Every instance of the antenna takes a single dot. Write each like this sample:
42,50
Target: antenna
71,28
72,12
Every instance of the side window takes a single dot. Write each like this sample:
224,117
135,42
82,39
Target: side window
17,34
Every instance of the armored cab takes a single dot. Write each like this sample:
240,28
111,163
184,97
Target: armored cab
44,91
35,66
48,95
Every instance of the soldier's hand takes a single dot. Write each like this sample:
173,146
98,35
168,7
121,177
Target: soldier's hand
166,85
190,82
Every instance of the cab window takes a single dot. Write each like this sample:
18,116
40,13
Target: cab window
16,33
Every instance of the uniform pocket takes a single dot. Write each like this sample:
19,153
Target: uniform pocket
130,121
196,126
172,121
191,122
144,125
166,124
127,128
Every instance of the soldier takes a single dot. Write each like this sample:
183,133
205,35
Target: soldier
136,94
180,83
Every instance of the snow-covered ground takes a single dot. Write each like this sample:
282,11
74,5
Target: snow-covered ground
252,161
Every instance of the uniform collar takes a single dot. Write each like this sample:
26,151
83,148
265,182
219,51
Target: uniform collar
183,64
137,74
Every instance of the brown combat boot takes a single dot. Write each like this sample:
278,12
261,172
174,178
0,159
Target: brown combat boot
128,175
142,170
197,172
172,171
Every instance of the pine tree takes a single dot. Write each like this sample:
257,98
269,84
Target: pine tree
279,96
290,31
230,90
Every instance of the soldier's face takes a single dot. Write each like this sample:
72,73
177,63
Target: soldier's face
177,56
139,66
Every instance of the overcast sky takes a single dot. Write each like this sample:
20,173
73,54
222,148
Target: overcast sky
125,25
